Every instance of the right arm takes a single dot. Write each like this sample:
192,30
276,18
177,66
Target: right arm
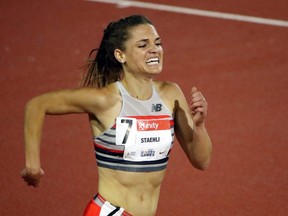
80,100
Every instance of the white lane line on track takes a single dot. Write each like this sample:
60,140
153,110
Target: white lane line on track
198,12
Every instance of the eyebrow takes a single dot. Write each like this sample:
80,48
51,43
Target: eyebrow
146,39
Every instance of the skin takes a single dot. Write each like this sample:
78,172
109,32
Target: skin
137,193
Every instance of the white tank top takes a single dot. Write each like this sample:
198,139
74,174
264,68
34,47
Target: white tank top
141,138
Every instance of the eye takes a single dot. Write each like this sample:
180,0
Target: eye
158,42
142,46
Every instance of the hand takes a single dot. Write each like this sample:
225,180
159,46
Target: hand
198,106
32,177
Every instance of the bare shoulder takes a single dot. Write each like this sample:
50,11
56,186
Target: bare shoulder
104,97
84,99
170,93
108,106
168,89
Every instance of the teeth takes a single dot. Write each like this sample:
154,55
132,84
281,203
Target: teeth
153,61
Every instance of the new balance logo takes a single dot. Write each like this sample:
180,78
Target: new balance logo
156,107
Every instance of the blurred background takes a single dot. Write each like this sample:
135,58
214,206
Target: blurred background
241,68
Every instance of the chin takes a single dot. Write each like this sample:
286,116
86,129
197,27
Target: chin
155,70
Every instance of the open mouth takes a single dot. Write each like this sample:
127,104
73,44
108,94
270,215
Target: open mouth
153,61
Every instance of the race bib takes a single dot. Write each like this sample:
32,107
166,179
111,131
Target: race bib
145,139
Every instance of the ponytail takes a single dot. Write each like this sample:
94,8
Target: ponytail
104,68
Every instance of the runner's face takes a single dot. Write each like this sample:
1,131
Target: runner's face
143,51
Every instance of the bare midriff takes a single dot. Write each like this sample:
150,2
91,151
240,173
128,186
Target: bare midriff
136,192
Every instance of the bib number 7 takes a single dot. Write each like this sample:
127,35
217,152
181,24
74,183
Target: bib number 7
126,129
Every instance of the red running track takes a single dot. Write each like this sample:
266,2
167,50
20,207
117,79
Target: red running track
240,67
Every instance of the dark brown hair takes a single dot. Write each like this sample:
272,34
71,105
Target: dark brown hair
104,68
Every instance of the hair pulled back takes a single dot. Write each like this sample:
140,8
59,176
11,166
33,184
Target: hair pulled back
104,68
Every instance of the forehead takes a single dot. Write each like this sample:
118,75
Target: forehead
143,31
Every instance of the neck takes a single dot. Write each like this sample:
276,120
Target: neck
140,89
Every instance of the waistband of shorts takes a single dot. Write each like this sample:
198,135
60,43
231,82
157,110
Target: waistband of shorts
99,200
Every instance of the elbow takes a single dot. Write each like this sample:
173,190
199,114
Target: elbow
204,167
29,108
201,160
31,104
34,109
34,104
201,165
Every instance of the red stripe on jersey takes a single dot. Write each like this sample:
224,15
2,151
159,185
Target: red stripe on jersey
107,149
151,122
153,125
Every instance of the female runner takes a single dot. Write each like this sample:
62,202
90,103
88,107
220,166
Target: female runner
133,117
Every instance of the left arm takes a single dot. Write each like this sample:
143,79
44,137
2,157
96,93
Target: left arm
190,128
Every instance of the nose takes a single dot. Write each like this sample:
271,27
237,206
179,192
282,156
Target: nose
153,48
